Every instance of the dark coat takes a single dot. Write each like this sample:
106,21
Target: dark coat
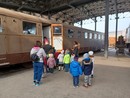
47,48
87,68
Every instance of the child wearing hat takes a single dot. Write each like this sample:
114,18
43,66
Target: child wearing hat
91,55
87,69
60,59
75,71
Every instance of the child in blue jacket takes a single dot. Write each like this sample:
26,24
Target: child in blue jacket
76,71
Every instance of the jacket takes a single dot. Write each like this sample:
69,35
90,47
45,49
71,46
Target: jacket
75,68
51,62
87,68
66,59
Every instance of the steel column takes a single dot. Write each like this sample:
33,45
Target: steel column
95,23
106,28
116,22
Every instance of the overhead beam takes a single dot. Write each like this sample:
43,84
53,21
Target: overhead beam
17,7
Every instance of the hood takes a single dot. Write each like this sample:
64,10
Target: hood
85,55
36,48
74,64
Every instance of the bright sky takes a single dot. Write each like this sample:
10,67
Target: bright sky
123,22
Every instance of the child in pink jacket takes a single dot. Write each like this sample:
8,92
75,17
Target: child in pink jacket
51,63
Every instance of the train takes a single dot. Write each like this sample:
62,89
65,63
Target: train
20,31
127,37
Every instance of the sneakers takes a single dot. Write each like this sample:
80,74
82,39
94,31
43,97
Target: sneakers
36,83
86,86
75,86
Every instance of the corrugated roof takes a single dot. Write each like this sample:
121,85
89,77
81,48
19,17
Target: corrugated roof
67,10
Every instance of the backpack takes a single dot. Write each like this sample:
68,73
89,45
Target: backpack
34,57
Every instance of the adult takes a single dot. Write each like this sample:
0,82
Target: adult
47,47
76,49
45,40
38,65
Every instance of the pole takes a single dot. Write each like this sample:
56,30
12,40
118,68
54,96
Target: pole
116,22
106,27
95,24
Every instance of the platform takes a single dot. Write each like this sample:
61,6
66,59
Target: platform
111,80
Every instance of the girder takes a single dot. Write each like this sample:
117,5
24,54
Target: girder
67,10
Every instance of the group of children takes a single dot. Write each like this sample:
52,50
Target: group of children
61,60
86,68
69,62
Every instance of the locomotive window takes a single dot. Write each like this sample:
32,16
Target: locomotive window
102,37
57,29
29,28
99,36
70,33
90,35
79,34
0,25
95,36
86,35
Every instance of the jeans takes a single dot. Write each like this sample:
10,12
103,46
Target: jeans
76,80
38,70
67,67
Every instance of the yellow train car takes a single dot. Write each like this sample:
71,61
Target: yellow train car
18,33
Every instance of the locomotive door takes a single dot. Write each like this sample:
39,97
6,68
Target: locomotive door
57,39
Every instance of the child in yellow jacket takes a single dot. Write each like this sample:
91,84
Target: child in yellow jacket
66,60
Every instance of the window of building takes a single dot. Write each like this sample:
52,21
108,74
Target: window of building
29,28
102,37
79,34
57,30
90,35
86,35
70,33
99,36
95,36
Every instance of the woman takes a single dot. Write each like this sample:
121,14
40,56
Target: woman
38,65
76,49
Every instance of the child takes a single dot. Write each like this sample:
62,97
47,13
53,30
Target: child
91,55
87,69
51,63
66,60
60,59
56,57
75,70
72,56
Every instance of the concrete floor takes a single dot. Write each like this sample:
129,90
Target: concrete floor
111,80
